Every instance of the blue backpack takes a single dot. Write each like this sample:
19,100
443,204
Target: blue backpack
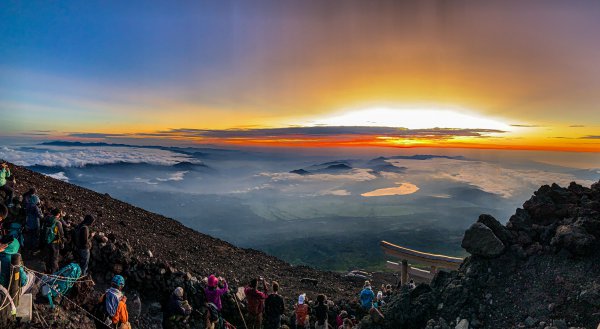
49,231
366,298
61,282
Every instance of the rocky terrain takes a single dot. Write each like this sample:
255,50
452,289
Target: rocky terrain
541,270
156,254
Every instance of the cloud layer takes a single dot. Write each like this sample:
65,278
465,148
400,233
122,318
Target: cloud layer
79,157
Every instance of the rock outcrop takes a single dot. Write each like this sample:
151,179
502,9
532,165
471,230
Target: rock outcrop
541,270
480,240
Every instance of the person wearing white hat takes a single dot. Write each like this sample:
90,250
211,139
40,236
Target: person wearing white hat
177,311
302,310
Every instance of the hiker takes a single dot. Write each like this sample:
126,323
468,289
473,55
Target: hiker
376,315
8,247
178,309
32,222
60,282
332,314
302,310
113,304
52,237
339,320
8,191
366,296
387,293
274,308
321,311
83,242
347,324
256,303
379,300
15,221
212,291
26,197
3,214
411,284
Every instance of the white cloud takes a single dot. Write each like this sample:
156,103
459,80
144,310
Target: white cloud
354,175
177,176
335,192
81,156
489,177
60,176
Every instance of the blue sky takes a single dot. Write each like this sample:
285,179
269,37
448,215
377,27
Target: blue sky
148,66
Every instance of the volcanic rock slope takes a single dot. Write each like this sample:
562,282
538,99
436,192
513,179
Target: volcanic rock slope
541,270
156,253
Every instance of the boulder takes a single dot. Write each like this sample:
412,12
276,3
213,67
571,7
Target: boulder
591,295
573,238
499,230
462,324
480,240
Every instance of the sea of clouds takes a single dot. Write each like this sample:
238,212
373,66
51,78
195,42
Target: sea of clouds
81,156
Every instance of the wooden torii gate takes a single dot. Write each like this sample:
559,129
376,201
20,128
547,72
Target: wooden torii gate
418,257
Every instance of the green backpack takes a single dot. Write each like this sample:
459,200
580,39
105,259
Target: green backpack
48,234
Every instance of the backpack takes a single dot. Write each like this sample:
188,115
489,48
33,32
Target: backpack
49,231
76,237
213,311
61,282
274,305
301,314
100,313
366,298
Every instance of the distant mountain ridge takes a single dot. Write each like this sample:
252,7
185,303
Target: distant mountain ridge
424,157
193,151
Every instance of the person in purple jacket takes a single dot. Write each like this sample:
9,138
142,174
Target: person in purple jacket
213,292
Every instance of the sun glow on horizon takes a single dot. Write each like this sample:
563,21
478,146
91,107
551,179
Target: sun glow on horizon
410,118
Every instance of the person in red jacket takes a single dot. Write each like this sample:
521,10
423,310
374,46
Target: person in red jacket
256,303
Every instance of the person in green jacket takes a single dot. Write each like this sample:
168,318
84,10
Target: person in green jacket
8,247
8,191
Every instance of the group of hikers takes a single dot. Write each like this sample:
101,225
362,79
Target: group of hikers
30,227
266,309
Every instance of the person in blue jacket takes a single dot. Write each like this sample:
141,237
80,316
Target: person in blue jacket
367,296
32,222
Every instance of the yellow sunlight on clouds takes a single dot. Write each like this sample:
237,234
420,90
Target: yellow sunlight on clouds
411,118
402,189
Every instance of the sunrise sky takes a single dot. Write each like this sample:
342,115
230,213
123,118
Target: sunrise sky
494,74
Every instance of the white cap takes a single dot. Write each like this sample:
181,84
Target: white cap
178,292
301,299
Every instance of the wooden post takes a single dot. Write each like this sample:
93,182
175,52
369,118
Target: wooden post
6,315
404,272
15,287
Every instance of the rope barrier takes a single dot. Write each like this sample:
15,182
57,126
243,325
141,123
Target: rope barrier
84,310
72,302
10,299
58,277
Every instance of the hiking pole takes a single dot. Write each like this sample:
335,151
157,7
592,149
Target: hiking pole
240,310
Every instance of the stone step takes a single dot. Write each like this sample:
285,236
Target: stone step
24,309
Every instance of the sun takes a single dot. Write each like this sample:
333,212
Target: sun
411,118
